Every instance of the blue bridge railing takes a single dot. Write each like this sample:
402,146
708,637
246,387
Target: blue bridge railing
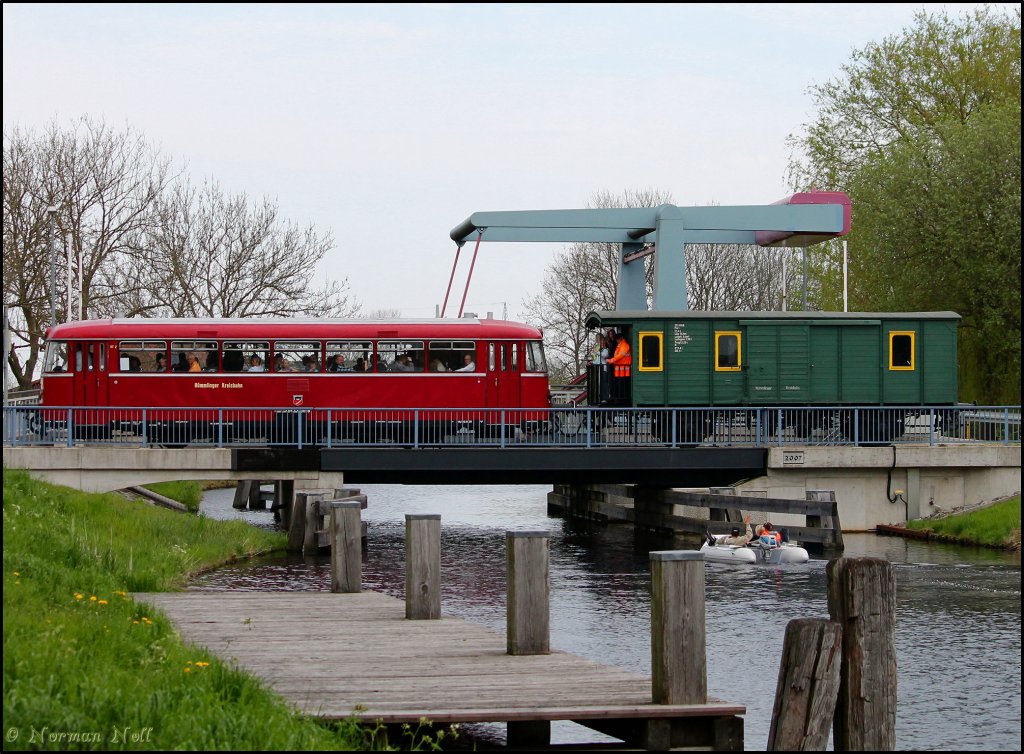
568,426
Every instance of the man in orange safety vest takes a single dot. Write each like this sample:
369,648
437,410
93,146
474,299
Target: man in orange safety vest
622,359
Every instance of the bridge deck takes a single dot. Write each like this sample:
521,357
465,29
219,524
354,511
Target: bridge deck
338,655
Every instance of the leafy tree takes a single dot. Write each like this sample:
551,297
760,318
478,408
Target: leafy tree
923,131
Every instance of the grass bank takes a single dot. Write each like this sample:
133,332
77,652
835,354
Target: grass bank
87,667
189,494
996,525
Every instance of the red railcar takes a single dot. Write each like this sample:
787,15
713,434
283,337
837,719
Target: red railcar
269,377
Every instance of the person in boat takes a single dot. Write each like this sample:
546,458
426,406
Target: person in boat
768,536
736,539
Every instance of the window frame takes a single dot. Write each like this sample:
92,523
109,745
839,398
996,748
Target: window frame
738,334
893,334
642,349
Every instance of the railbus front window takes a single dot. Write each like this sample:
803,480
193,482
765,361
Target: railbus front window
535,357
56,359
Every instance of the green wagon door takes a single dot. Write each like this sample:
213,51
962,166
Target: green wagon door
824,364
777,359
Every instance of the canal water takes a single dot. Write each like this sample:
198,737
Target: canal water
958,629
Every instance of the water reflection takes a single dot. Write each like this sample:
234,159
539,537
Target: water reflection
958,610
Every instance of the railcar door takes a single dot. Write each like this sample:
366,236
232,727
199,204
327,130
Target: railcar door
503,367
90,368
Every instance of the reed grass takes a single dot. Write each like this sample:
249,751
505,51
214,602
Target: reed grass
86,667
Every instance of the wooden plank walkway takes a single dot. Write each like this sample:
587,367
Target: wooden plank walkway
338,655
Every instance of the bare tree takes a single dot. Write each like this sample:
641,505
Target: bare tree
150,244
214,255
384,314
582,279
103,184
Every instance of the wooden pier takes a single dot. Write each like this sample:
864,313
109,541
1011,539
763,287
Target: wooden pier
342,655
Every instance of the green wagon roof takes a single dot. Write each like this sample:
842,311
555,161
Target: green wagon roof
596,319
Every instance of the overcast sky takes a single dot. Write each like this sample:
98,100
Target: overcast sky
388,125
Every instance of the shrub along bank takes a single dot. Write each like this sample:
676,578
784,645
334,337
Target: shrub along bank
85,666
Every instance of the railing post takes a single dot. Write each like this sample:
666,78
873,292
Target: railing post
330,429
778,425
678,643
862,599
590,420
931,426
145,428
422,566
856,427
1006,426
502,429
528,604
416,428
71,429
220,428
299,428
346,546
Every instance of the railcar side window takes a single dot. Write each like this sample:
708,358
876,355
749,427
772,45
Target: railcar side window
349,356
449,355
56,359
142,356
400,356
246,355
728,351
901,351
535,357
194,356
650,352
297,356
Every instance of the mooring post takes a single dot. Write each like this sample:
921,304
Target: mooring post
346,546
678,657
528,617
310,540
862,599
284,494
297,525
528,612
422,566
805,696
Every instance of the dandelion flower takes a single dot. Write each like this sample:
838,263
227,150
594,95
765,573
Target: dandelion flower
78,596
92,598
188,670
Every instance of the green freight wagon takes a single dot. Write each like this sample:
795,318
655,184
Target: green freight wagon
780,359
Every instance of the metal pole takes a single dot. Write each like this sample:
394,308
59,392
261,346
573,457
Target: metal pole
845,280
785,254
52,212
805,278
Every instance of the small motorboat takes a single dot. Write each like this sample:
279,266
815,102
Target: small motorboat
752,553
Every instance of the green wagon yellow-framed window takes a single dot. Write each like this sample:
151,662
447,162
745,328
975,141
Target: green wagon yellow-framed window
728,351
901,350
651,354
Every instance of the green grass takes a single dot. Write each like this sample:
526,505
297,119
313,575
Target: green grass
190,494
81,658
997,525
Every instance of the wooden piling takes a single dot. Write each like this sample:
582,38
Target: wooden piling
284,495
310,540
528,605
297,525
862,599
423,566
346,547
678,642
805,696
